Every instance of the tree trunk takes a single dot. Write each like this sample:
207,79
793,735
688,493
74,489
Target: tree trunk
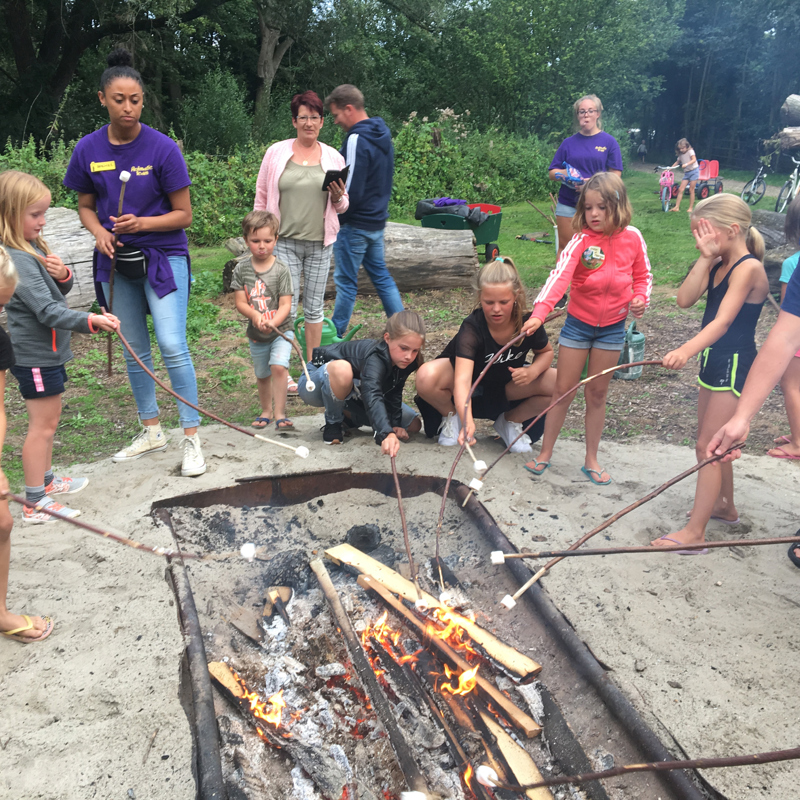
271,53
789,138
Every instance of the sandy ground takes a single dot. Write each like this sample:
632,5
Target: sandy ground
705,646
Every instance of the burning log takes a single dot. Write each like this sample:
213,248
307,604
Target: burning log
320,767
514,661
516,716
405,759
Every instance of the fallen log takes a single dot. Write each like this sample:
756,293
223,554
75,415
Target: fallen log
405,759
514,661
320,767
790,110
515,715
417,258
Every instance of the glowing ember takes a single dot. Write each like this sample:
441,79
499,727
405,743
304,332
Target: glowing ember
467,681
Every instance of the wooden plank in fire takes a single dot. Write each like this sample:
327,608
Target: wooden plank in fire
516,716
518,759
504,654
320,767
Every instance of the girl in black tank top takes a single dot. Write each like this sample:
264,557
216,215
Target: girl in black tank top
730,271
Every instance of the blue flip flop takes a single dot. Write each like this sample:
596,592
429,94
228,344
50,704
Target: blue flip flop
266,420
589,474
543,464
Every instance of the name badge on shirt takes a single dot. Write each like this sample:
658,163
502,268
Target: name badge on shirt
102,166
593,257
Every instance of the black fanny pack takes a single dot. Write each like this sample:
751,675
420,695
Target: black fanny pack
131,262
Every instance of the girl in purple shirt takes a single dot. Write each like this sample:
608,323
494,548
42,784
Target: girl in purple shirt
151,274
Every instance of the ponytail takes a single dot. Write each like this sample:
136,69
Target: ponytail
755,242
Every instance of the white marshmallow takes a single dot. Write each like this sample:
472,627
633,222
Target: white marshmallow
498,557
311,386
421,605
301,451
413,796
248,551
479,466
445,598
476,485
124,176
508,601
486,776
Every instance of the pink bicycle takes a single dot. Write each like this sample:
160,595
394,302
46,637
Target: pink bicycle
666,182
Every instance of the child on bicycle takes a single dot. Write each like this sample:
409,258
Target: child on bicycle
687,161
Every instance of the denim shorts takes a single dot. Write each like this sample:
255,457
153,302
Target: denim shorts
38,382
564,211
269,354
692,174
581,336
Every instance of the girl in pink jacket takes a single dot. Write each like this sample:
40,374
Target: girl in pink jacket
606,265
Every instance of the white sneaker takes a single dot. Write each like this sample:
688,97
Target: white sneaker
150,440
509,431
35,516
449,430
193,462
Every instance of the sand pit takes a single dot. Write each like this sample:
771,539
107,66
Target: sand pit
702,646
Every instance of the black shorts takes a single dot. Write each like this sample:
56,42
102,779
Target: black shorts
38,382
724,371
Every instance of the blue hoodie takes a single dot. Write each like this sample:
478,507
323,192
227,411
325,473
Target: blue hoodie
369,152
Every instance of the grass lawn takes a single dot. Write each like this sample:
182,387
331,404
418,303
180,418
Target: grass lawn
776,179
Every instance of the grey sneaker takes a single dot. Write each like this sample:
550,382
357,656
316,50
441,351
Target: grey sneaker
193,462
509,431
61,484
35,516
150,440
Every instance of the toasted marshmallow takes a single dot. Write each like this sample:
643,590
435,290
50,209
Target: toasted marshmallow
311,386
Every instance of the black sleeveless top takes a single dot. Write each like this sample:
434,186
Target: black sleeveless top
741,335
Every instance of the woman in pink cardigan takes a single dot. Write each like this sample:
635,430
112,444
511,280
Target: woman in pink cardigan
290,186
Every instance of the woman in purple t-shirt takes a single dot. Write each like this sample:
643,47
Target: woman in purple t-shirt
588,151
151,273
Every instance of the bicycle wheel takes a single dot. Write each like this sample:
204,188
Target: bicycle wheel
784,197
753,191
665,198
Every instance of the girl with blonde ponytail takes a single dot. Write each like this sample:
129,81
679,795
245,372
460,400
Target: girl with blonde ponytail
730,271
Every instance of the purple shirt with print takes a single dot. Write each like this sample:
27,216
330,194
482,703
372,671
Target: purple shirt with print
157,168
588,154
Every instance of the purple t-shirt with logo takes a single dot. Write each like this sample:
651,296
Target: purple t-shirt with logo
157,168
588,154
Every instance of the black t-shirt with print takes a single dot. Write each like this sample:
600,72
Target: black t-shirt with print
475,342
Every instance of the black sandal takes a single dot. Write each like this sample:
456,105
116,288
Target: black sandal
793,556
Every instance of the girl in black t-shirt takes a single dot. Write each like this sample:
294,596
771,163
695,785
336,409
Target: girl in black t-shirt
511,391
16,626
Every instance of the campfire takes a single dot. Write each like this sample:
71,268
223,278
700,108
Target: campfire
435,697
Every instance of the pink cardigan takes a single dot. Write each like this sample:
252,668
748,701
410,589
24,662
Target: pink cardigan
268,196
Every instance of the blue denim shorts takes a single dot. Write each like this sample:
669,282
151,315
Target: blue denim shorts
269,354
582,336
564,211
38,382
692,174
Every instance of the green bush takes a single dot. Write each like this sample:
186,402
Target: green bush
50,167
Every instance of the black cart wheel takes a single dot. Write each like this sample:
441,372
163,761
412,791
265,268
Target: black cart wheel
492,251
704,191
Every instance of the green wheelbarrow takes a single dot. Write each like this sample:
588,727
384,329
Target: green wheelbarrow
485,234
329,335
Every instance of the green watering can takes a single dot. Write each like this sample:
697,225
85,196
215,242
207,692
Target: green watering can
633,350
329,335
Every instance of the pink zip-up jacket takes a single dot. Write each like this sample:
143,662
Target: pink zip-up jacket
606,273
268,197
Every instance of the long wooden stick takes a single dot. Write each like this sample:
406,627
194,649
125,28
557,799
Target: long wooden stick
300,451
408,765
549,219
407,541
298,350
612,519
662,766
158,551
612,551
514,714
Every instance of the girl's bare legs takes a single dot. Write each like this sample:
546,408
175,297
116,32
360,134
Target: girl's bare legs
434,382
714,492
595,394
681,190
568,373
565,233
537,396
691,196
790,386
37,452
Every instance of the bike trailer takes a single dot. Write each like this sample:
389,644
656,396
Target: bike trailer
708,182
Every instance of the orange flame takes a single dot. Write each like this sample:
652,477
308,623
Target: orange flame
467,681
271,711
468,773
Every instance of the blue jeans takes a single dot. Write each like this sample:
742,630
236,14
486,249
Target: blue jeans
132,298
322,394
352,248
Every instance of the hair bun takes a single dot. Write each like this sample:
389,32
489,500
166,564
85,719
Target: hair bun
119,57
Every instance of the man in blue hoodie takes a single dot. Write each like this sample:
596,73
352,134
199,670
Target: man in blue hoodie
369,153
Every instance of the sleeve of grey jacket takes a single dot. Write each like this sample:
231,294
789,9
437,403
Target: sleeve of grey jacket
34,289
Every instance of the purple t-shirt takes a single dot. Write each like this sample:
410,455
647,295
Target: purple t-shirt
157,168
588,154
